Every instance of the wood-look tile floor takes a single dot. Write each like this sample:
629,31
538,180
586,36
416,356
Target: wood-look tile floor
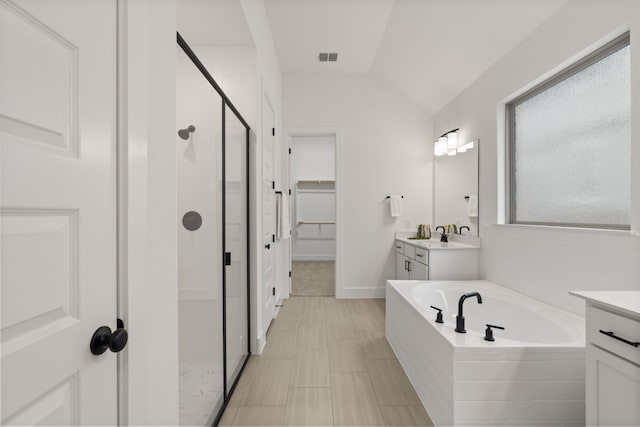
326,362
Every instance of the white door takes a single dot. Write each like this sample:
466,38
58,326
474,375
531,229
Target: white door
58,239
268,214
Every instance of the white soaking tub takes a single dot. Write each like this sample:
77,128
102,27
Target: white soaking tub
532,374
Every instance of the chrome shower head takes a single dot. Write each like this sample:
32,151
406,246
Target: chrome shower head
184,133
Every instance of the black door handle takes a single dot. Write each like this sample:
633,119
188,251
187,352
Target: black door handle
268,246
104,339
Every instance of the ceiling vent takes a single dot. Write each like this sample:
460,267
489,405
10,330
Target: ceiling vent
328,57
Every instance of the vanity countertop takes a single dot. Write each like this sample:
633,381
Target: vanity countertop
627,302
435,244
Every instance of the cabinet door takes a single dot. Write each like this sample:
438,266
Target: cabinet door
418,271
612,389
402,273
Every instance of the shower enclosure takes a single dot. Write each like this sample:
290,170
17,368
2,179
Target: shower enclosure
213,235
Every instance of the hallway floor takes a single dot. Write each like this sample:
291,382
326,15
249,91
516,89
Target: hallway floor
326,362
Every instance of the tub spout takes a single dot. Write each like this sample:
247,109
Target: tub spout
460,317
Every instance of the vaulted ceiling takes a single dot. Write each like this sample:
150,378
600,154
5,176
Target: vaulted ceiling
429,50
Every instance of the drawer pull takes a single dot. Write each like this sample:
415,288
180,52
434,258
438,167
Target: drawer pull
420,255
612,335
399,247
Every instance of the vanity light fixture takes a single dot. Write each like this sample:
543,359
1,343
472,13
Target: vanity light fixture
452,143
440,146
446,144
467,146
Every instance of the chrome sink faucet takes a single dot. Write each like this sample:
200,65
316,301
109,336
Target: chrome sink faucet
460,318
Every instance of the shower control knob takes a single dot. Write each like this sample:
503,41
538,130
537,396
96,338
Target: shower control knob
104,339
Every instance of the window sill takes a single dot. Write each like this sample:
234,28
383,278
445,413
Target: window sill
560,229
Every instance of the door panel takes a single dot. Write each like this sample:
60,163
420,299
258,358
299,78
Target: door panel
235,186
57,119
268,215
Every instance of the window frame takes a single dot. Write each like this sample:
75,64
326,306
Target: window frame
599,54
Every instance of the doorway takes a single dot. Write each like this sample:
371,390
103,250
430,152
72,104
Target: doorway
313,213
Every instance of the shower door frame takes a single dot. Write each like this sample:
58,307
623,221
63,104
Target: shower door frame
226,103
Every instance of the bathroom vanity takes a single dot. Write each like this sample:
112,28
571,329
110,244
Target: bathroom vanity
433,260
612,358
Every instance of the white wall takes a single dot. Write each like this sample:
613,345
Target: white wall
546,262
148,269
313,158
268,80
234,69
386,149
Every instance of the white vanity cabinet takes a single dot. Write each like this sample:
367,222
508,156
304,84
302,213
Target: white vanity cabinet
417,261
411,263
612,359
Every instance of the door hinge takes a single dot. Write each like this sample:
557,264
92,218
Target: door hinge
273,185
289,274
289,191
273,291
273,131
289,150
273,238
227,258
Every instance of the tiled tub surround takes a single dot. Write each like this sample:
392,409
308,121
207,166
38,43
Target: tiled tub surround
533,374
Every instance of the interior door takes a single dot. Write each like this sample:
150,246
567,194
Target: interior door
58,216
268,214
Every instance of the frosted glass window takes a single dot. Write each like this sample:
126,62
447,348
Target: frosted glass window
571,145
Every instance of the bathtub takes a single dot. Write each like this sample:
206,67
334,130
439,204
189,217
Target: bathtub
532,374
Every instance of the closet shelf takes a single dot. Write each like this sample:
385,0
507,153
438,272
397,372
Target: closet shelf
315,181
316,222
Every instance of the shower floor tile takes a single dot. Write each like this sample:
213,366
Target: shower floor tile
200,390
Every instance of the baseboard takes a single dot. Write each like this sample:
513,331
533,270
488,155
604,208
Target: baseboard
313,258
262,340
360,292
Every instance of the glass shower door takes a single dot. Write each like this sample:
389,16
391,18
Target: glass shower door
200,305
235,244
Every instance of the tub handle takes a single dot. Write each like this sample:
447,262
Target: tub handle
612,335
439,315
488,333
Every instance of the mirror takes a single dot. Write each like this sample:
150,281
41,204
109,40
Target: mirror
455,178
